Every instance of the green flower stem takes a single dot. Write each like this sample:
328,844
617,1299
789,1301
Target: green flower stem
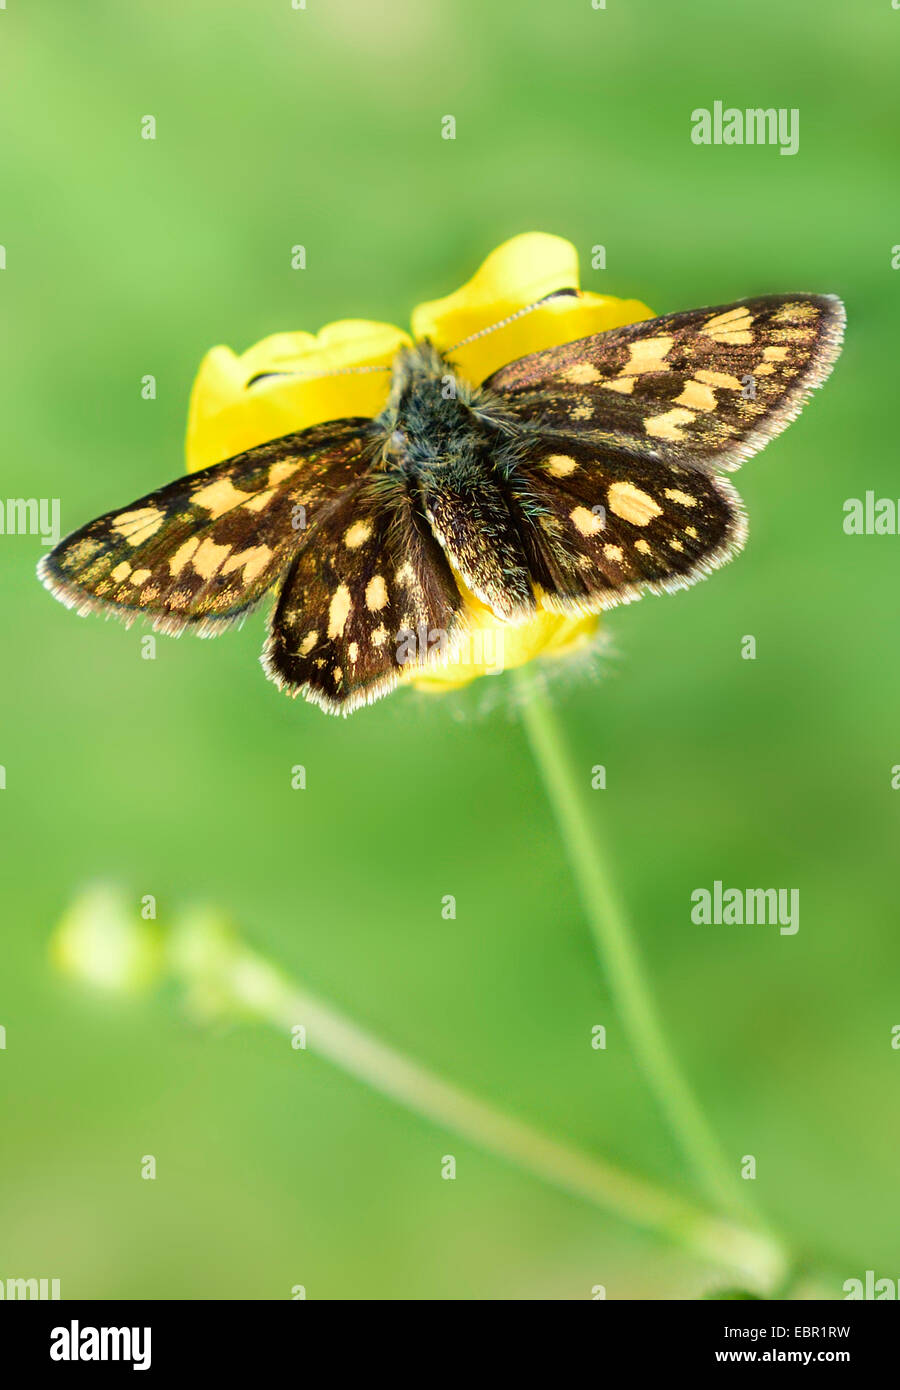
225,978
576,810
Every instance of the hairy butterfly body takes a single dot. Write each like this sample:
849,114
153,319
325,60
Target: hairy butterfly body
575,478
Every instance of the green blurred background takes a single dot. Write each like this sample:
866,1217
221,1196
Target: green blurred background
172,777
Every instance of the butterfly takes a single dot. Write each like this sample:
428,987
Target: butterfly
575,478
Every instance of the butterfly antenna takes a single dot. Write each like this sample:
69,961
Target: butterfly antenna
511,318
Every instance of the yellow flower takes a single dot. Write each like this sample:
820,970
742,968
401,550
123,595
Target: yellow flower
229,414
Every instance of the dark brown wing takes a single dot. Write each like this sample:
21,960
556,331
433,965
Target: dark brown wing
600,526
204,549
368,597
710,386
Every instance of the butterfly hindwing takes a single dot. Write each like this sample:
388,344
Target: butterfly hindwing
204,549
601,525
709,386
370,596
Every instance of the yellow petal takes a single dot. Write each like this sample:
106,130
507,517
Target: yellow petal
516,275
519,272
227,415
490,646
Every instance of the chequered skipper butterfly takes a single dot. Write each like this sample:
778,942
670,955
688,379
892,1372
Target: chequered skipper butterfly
575,478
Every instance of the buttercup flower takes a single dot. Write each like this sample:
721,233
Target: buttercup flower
290,381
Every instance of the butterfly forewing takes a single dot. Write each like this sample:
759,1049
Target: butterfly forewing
709,386
207,547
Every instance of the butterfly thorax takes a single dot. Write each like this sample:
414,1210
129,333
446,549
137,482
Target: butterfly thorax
434,418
